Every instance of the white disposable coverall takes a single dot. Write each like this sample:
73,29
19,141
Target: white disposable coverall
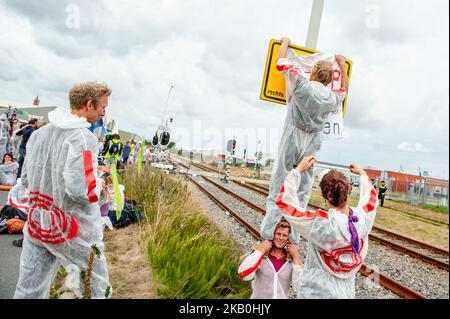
267,283
8,173
4,135
64,221
330,265
308,105
18,196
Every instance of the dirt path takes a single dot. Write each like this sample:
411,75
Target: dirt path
128,265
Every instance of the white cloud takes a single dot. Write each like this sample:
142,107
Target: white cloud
214,53
413,147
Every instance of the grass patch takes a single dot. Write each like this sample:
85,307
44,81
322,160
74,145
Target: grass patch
439,209
190,257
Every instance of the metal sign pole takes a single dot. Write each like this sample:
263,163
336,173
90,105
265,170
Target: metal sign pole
314,24
244,163
227,174
256,159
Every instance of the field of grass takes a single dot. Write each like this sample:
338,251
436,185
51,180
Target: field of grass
189,256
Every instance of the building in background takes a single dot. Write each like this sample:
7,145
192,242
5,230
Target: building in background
34,111
412,188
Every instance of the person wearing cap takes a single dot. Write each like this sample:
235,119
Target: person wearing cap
337,238
273,266
382,193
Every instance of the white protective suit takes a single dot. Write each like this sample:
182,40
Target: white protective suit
18,196
332,259
8,173
64,221
266,282
4,135
308,105
15,144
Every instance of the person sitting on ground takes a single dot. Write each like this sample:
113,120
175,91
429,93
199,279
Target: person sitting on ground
272,263
105,200
8,170
337,238
19,197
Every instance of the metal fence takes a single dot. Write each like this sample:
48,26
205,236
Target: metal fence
421,191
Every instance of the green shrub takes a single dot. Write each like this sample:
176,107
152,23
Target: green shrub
190,257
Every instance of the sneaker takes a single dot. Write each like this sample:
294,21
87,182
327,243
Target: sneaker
17,242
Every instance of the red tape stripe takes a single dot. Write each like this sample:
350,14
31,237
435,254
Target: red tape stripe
90,177
370,206
247,272
291,210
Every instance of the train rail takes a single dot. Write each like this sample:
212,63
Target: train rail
433,255
386,281
415,216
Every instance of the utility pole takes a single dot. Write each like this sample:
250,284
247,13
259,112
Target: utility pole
167,103
231,145
314,24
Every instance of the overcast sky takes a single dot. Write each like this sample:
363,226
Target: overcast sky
214,54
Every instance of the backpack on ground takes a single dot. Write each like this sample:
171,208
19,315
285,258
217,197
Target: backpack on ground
15,225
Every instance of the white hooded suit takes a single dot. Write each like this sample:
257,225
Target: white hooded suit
64,221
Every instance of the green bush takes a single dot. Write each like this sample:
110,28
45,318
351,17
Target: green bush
190,257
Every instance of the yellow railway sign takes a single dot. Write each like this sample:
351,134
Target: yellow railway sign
274,84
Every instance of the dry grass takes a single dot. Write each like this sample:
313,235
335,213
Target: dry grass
129,269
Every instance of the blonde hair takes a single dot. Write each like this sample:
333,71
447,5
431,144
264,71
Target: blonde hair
81,93
323,70
283,223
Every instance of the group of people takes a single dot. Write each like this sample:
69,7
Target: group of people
66,196
13,143
113,150
337,239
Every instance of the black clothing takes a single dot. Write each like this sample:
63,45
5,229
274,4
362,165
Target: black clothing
26,132
381,194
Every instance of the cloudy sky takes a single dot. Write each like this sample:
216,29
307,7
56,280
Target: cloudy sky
214,52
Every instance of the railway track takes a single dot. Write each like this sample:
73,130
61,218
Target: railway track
384,280
430,254
415,216
264,189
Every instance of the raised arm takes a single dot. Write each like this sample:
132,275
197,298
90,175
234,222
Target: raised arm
368,194
300,218
248,267
340,59
282,52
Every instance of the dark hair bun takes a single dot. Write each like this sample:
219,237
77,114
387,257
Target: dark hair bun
334,187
